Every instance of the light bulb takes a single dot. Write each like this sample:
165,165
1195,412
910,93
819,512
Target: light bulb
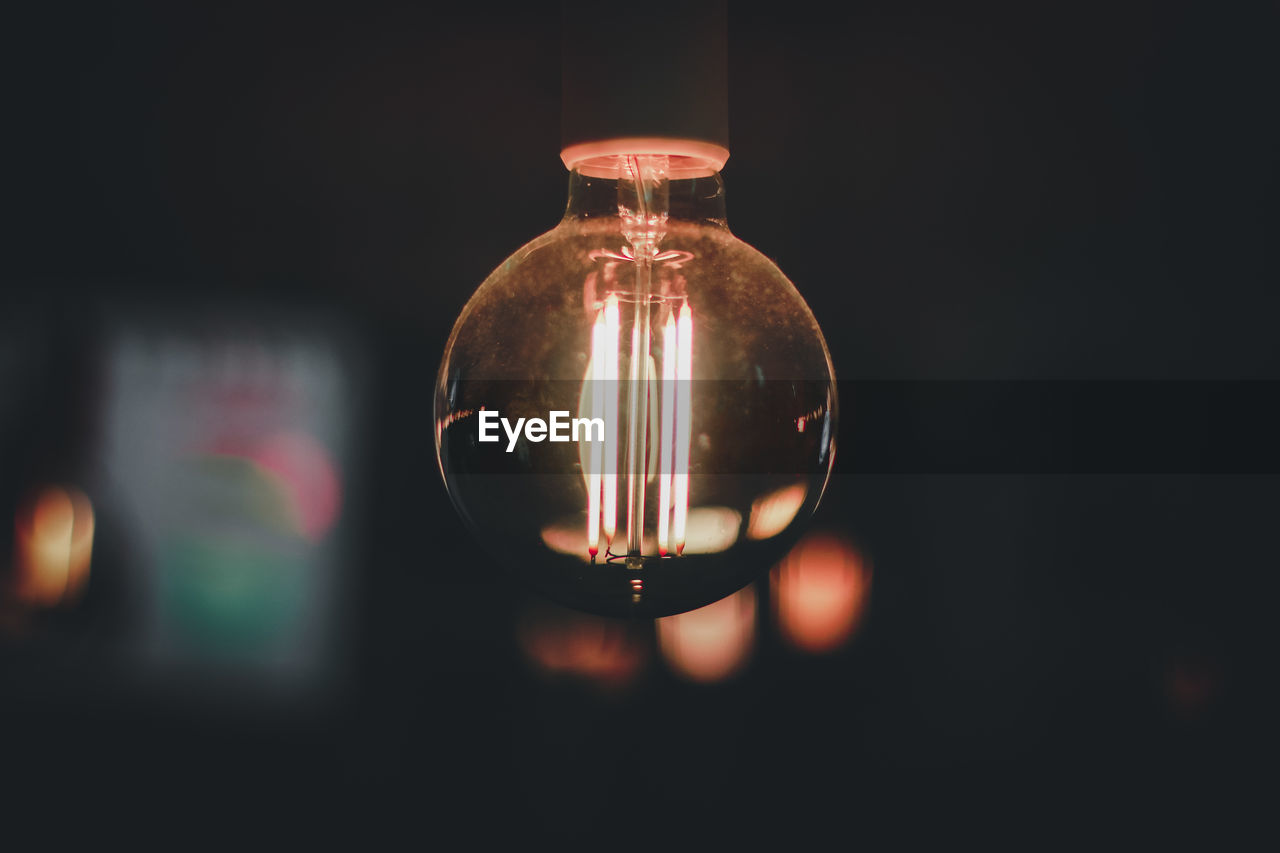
688,376
636,411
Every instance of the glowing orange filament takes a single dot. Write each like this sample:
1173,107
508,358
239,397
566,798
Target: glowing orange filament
595,376
610,391
668,431
670,452
54,544
683,417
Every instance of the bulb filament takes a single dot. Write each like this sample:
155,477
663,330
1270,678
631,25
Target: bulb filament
658,439
654,403
610,357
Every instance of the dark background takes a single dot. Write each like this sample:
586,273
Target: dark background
961,192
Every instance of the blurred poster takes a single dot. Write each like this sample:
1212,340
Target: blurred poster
226,454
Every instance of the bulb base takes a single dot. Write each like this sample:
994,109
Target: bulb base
688,158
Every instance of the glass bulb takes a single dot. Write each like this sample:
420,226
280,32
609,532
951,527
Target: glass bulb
636,411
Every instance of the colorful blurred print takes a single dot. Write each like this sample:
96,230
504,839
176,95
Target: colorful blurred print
226,454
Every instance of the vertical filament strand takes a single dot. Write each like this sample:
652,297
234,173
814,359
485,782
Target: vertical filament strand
684,413
637,428
596,450
667,432
610,392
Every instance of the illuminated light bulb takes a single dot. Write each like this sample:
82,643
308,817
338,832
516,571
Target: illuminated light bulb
616,410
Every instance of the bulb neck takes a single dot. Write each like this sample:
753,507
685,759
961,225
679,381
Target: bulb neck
644,192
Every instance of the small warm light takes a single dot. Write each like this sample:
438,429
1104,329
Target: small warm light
772,513
820,592
711,529
560,642
711,643
54,538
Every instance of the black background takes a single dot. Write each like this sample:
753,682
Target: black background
961,192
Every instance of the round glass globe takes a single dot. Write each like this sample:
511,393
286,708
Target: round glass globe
705,367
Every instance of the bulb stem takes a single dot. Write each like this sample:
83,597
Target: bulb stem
642,205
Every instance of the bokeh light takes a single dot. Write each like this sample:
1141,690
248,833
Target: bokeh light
309,475
559,642
820,592
711,643
54,544
711,529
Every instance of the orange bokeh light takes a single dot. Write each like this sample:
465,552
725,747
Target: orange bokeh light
820,592
53,544
559,642
712,642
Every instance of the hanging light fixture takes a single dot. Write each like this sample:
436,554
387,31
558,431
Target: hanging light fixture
636,411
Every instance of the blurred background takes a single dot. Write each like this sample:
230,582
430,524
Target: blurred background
236,237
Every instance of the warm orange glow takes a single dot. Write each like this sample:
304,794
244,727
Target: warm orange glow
667,433
595,449
54,537
608,158
684,418
661,414
711,529
560,642
772,513
611,358
655,392
712,642
820,592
